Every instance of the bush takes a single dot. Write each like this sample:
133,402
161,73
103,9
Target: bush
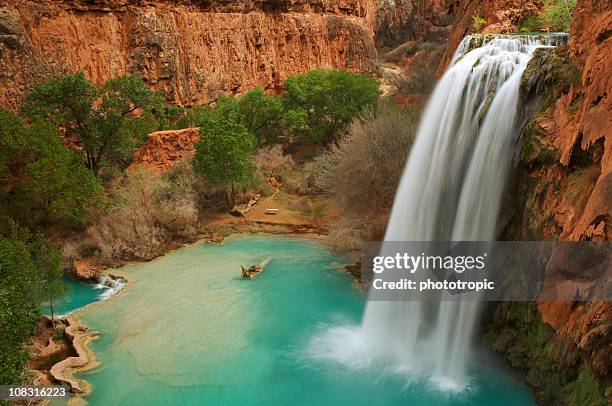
478,22
322,103
272,161
531,23
557,15
363,170
149,210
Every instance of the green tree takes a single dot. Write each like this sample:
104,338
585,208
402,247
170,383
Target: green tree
12,139
55,180
557,15
28,267
259,113
101,119
223,154
322,102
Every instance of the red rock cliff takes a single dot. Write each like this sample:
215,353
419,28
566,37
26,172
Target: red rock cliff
565,174
502,16
194,50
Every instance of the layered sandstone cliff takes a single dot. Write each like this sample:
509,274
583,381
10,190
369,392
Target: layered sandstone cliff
193,50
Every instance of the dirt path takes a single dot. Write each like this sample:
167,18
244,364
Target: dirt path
285,215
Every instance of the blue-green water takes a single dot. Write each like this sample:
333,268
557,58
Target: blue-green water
78,294
188,330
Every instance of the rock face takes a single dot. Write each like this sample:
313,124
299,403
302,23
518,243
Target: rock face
564,191
501,16
402,20
164,148
193,50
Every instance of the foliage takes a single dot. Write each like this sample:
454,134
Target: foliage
12,139
55,183
223,154
29,273
102,119
271,161
557,15
321,103
586,389
553,369
531,23
478,22
149,210
261,114
375,149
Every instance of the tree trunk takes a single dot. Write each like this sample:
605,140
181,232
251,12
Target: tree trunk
228,202
52,311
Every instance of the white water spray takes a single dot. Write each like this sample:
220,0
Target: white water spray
451,190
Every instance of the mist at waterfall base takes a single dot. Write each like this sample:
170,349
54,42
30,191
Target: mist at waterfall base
451,190
189,330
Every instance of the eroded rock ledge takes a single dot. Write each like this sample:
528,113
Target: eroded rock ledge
63,370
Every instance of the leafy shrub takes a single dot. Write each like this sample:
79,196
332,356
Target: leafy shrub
29,274
557,15
531,23
478,22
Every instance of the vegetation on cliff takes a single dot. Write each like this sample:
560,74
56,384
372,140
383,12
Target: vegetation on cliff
556,16
562,348
553,367
29,274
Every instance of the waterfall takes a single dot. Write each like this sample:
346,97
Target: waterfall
451,190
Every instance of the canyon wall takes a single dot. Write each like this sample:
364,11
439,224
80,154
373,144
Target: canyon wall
563,190
402,20
193,50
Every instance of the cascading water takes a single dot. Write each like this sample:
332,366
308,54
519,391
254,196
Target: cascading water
451,190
